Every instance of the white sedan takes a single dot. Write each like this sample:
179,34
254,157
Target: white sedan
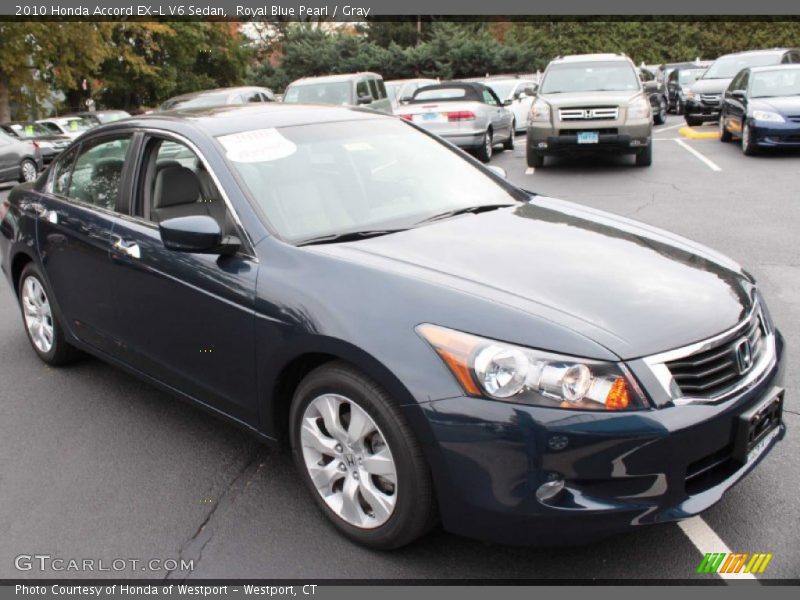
518,92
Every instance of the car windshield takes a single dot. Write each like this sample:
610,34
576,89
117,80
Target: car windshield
727,67
333,92
689,76
76,124
775,83
595,76
29,130
202,101
353,176
503,89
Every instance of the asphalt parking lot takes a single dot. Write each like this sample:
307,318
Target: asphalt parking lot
96,464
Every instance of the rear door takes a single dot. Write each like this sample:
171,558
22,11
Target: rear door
188,319
75,233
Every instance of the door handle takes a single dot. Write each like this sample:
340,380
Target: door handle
130,249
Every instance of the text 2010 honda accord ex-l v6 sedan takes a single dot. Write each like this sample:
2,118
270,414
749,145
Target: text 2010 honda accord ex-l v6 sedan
433,342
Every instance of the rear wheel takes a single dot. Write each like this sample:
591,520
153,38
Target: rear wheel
360,459
644,158
661,115
534,159
509,143
27,170
724,134
41,322
484,151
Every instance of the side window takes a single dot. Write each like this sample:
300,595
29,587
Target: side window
52,127
177,184
97,173
488,98
736,84
62,171
373,88
265,98
362,89
252,97
381,89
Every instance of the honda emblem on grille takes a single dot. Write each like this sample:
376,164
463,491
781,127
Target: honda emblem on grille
744,356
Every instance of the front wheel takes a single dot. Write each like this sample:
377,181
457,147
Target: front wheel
644,158
41,322
509,143
484,151
360,459
749,147
27,170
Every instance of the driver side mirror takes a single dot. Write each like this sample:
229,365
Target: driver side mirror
364,99
198,234
406,99
531,90
650,86
499,171
738,94
507,102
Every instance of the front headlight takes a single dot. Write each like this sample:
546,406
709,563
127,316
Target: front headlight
690,95
765,115
540,111
512,373
639,108
45,144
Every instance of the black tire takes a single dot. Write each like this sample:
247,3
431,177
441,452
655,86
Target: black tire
534,159
644,158
509,143
61,352
724,134
692,121
660,117
679,107
415,512
485,150
748,147
27,170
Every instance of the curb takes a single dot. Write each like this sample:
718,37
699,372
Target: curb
693,134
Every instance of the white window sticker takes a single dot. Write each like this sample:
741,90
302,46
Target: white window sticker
259,145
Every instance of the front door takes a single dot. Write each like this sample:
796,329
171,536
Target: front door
188,319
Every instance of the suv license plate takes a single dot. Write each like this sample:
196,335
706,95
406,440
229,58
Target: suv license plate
588,137
757,427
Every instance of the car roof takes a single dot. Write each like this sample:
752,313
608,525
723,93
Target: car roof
591,57
786,67
223,120
215,91
763,51
333,78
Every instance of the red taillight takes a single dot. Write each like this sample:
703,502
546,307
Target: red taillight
461,115
36,145
407,117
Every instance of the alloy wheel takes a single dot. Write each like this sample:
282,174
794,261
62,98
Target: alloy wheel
38,314
349,461
487,140
28,171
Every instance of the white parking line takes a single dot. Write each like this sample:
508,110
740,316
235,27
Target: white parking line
711,165
670,127
706,541
529,171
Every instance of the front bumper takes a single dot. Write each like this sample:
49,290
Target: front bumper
621,469
628,138
698,109
776,135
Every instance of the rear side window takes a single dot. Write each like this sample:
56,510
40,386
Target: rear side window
97,173
362,89
381,89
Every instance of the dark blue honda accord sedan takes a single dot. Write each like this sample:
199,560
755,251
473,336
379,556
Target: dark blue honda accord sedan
434,343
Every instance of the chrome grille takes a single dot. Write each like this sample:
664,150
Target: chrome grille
710,98
596,113
712,371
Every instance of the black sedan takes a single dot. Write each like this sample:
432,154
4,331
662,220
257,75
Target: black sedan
432,341
762,108
49,143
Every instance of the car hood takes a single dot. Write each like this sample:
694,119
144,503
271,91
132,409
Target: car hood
785,105
634,289
590,98
710,86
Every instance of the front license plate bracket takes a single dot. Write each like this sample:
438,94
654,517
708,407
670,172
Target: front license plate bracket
757,424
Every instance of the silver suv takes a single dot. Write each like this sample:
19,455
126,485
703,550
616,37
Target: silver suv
590,103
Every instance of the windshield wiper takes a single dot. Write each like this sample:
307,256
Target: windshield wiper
348,236
463,211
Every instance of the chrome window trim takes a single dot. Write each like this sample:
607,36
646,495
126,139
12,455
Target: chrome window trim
657,362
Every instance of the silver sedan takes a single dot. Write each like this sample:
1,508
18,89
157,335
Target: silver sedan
469,115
